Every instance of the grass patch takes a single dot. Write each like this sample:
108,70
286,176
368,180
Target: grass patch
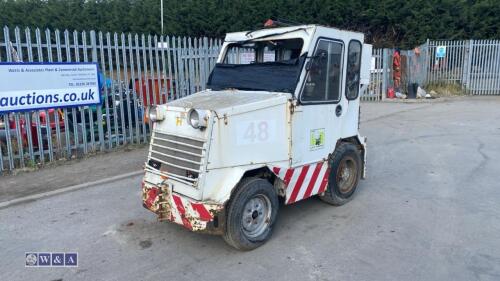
445,89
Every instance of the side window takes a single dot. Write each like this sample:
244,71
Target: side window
353,68
325,70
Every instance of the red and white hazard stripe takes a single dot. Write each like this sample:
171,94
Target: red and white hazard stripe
304,181
182,209
192,215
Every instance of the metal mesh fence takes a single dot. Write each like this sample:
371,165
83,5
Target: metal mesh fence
483,67
377,77
136,70
141,70
474,65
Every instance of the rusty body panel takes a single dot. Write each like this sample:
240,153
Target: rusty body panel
193,215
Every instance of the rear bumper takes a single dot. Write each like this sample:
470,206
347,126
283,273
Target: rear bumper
194,215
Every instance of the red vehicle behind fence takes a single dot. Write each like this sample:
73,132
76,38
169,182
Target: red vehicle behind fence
43,127
158,90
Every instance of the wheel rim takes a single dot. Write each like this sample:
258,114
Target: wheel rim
347,173
256,216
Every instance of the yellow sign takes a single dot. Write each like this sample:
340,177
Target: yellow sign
317,139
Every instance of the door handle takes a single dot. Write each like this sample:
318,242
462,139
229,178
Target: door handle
338,110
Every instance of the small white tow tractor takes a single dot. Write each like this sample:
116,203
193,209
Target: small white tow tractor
279,120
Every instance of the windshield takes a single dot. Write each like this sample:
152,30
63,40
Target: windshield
272,65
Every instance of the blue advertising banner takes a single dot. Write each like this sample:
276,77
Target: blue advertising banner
33,86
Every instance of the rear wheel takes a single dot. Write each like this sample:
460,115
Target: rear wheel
345,173
251,214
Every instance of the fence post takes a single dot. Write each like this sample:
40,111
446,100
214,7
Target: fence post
58,153
10,151
427,61
28,116
206,61
135,91
126,90
93,43
466,75
90,110
385,68
19,50
496,70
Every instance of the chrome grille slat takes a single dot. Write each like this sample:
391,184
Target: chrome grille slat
180,157
167,135
176,142
178,145
171,164
178,150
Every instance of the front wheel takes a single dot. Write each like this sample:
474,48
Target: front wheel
251,214
345,172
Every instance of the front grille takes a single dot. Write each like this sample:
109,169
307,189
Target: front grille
180,157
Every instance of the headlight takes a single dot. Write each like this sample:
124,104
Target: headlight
155,114
198,119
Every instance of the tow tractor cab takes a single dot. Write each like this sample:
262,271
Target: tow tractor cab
279,120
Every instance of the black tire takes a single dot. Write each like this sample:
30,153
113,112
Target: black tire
239,224
343,183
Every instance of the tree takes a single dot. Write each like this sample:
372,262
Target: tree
385,22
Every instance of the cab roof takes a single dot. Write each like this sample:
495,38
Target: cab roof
289,30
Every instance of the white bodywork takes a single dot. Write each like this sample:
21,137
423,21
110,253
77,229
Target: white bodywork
232,148
247,130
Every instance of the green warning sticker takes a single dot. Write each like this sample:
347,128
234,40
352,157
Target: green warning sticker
317,139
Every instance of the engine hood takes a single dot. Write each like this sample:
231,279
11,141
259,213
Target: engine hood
230,101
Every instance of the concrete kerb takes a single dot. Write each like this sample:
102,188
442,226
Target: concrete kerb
35,197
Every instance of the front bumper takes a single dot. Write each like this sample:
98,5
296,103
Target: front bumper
193,215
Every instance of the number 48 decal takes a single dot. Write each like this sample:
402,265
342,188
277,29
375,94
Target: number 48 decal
259,131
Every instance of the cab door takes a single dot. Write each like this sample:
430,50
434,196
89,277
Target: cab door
317,119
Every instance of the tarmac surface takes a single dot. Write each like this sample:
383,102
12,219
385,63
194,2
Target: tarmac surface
427,211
